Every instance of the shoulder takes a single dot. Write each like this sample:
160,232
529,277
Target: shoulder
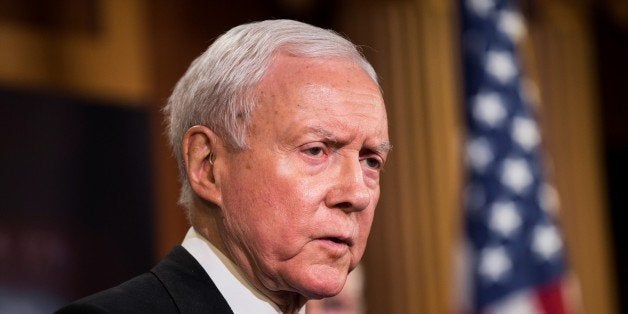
142,294
178,284
189,284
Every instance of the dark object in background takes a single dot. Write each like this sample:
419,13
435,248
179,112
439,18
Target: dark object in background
611,35
75,205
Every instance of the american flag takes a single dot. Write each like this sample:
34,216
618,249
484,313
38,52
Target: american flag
517,256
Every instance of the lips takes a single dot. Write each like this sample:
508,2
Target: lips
339,240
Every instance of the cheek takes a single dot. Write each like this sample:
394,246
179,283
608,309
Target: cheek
294,204
270,210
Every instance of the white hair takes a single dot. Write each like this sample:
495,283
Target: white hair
217,89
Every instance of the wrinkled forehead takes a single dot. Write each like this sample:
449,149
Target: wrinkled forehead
323,85
319,92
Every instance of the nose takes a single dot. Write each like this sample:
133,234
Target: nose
349,191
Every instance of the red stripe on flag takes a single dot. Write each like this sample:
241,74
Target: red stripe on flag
551,298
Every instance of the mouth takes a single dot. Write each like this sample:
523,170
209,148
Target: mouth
339,240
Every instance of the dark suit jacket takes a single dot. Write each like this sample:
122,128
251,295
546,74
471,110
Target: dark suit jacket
178,284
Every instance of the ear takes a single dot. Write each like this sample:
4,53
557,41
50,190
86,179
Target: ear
201,148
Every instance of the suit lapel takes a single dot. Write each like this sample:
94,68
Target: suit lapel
189,285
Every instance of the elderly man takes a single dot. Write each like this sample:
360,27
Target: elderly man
280,133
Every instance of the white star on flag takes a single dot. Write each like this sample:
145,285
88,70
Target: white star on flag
489,109
511,24
481,7
501,65
479,153
546,241
525,133
494,263
504,218
516,174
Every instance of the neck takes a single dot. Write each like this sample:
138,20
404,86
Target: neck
291,303
207,223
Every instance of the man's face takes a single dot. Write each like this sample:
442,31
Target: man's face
299,202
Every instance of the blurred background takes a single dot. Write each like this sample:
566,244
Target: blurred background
89,188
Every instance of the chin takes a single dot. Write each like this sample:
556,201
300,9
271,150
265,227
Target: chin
324,284
326,292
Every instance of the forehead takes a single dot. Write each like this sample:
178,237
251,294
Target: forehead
323,85
306,99
291,69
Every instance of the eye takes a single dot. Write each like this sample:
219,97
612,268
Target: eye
314,151
373,163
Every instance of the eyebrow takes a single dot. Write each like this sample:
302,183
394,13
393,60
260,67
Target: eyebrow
384,147
322,133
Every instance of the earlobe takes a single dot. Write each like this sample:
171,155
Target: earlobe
201,146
